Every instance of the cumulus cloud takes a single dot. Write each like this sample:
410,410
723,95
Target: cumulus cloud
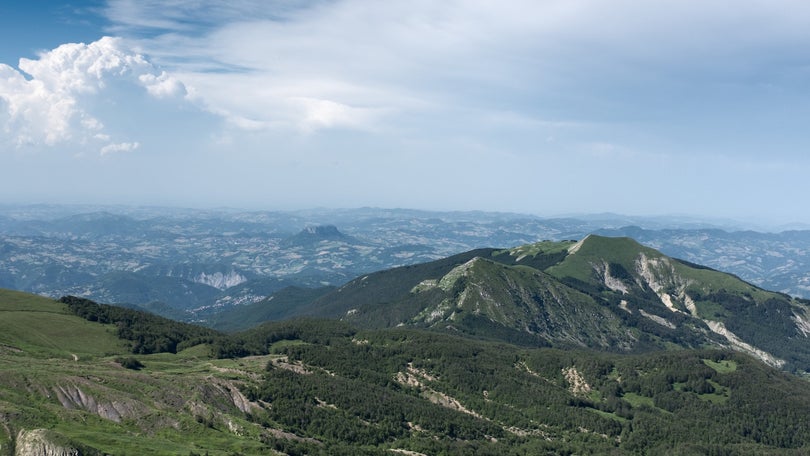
45,102
162,85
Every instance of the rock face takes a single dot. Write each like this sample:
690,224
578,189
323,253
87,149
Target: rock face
38,442
73,397
220,280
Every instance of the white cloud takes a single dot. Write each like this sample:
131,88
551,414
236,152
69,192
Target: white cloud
162,85
120,147
45,103
361,63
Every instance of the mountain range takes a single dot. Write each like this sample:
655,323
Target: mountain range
596,346
191,264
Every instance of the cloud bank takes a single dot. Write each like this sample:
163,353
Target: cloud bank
45,102
375,66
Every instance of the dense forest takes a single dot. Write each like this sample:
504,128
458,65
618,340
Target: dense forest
528,401
343,390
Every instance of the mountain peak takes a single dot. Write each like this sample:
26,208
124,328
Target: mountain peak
609,293
321,230
314,234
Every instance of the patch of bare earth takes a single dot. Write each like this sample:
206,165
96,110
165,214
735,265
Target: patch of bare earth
576,382
415,377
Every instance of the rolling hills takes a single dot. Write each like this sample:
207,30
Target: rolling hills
327,387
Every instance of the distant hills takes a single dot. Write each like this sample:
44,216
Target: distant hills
192,263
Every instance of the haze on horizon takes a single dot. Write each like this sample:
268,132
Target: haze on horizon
542,107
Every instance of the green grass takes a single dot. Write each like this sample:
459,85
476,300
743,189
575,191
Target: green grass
187,402
165,426
282,344
578,265
637,400
38,338
723,367
713,398
711,310
538,248
16,300
111,438
720,395
43,327
720,281
604,414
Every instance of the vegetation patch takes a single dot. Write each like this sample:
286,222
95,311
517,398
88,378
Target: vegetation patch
129,363
636,400
608,415
722,367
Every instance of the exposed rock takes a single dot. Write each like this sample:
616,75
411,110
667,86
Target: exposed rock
660,274
414,377
221,280
575,247
73,397
739,344
576,382
660,320
219,395
449,280
40,442
614,283
803,323
296,366
236,397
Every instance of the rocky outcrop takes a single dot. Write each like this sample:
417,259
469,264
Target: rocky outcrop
73,397
740,345
40,442
220,280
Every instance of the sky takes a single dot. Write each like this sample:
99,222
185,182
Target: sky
544,107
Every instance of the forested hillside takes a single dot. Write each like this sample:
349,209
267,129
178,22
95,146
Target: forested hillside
298,387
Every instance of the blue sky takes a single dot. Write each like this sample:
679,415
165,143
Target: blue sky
543,106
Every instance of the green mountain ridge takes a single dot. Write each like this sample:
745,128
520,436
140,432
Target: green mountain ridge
607,293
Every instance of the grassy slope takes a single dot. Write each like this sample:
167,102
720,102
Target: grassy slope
38,341
594,248
382,297
43,327
625,251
